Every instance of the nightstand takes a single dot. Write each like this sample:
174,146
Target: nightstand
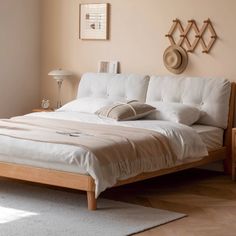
233,153
42,110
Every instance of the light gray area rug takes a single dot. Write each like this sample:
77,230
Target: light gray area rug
27,210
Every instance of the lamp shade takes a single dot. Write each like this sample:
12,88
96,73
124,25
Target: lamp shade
60,74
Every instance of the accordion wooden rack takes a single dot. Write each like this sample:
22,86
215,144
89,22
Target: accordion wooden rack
201,35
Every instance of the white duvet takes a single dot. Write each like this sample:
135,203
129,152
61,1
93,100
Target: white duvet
184,141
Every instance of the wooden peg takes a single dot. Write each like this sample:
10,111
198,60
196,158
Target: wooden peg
206,21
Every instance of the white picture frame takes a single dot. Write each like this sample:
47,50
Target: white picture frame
108,67
94,21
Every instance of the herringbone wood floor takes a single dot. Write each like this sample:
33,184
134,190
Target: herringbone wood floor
208,198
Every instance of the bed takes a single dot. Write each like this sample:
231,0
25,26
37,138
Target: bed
67,165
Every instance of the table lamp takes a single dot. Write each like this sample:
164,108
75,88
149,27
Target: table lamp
59,75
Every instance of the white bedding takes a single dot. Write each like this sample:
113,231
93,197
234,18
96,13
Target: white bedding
212,136
184,141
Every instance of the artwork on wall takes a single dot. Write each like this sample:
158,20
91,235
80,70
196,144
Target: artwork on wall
108,67
94,21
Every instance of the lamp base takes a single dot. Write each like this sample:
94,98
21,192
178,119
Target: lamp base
59,105
59,83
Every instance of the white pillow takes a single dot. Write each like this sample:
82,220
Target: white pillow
86,104
175,112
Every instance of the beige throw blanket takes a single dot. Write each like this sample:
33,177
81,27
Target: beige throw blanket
113,146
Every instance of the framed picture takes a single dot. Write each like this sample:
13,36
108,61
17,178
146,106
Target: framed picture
94,21
108,67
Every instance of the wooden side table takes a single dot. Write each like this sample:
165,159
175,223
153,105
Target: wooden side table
233,153
42,110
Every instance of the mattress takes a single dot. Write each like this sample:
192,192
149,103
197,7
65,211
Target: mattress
211,136
183,140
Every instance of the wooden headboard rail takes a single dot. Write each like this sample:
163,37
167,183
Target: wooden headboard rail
228,131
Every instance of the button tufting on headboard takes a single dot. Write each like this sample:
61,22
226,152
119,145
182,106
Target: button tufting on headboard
211,95
113,86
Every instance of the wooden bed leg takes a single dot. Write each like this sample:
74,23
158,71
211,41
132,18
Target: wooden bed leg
92,202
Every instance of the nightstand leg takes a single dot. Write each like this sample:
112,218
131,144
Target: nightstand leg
233,171
233,154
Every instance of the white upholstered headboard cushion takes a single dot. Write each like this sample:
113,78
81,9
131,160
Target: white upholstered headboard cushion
210,95
114,87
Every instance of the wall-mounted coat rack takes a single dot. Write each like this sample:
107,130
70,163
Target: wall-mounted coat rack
200,35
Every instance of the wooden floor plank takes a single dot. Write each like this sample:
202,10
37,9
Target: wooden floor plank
208,198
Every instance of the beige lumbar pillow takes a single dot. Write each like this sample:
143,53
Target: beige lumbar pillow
131,110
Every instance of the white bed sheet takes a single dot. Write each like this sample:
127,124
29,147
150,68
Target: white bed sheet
212,136
184,141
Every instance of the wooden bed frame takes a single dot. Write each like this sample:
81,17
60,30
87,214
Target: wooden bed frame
86,182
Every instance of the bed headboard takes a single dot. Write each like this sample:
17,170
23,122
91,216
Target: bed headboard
210,95
113,86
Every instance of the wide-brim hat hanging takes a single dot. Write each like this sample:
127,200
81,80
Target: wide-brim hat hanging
175,59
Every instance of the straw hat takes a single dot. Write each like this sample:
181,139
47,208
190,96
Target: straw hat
175,59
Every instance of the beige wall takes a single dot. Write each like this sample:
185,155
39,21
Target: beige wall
137,29
19,56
